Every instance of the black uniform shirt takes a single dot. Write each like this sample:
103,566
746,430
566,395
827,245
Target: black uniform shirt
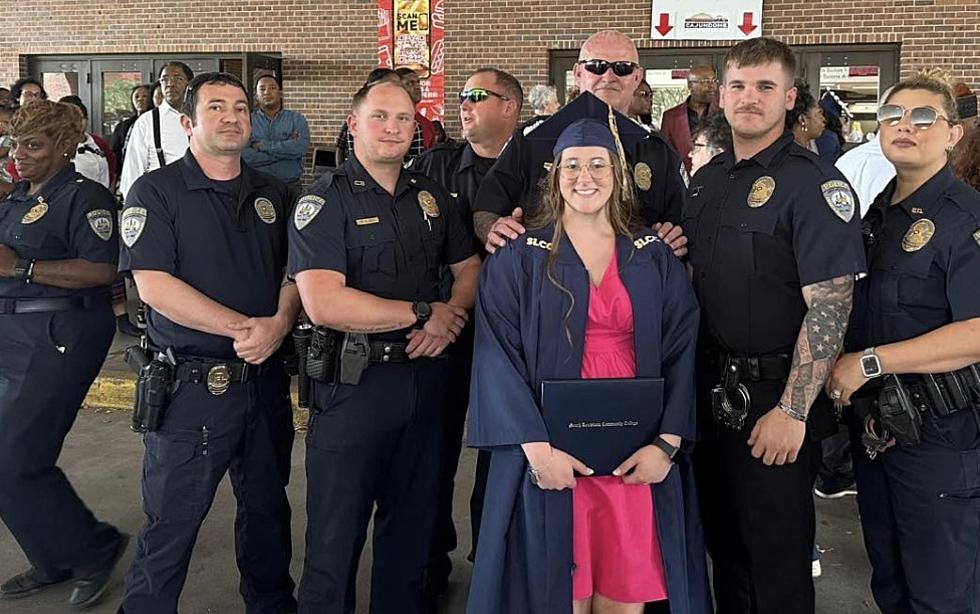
70,217
390,246
518,176
229,246
759,231
924,261
459,169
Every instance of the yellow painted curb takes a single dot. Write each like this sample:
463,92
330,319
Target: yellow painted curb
117,393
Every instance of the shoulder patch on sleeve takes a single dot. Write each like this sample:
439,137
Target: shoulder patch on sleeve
976,236
100,221
839,198
133,222
307,208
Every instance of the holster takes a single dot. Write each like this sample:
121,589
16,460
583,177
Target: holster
322,355
154,381
898,414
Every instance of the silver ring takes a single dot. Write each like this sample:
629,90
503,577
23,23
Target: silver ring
835,394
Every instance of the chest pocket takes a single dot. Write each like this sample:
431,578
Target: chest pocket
919,282
752,233
39,240
371,251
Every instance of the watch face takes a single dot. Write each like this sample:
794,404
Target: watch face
870,365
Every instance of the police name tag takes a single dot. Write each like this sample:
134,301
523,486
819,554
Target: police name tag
366,221
133,222
306,209
100,221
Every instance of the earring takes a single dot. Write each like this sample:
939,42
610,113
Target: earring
65,155
949,148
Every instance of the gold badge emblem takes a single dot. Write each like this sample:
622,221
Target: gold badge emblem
761,191
918,234
219,379
428,204
36,212
266,210
100,221
643,176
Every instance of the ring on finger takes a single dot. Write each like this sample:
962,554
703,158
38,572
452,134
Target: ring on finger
835,394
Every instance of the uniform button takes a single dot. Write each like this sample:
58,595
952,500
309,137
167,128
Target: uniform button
385,358
732,176
387,349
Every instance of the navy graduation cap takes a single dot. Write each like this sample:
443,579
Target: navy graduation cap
586,122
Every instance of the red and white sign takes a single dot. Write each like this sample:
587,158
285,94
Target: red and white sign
706,19
411,33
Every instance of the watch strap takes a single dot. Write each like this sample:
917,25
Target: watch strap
668,449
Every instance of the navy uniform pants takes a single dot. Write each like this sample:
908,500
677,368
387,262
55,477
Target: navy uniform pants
759,521
47,363
246,432
920,513
375,444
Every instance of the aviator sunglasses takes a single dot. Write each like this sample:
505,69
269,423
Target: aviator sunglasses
599,67
920,117
478,94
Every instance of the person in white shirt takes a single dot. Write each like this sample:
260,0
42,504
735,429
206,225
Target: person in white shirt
867,169
142,155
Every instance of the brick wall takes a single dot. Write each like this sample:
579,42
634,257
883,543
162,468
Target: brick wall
328,47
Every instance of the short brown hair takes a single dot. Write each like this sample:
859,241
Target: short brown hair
362,93
59,121
935,81
763,50
508,82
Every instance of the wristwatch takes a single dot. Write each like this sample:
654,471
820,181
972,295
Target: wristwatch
422,313
24,269
870,364
665,446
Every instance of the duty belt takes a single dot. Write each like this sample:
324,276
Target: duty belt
45,305
219,375
387,351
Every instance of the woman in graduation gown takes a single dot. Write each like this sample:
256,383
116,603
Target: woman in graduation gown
585,293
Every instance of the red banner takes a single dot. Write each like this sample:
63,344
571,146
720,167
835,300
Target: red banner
411,33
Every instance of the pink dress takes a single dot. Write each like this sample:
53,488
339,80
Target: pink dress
615,545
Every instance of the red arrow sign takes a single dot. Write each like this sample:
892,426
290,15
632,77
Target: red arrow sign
664,28
747,26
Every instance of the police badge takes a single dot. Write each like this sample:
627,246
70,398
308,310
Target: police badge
133,222
428,204
643,176
36,212
100,221
266,210
761,191
307,208
918,234
839,197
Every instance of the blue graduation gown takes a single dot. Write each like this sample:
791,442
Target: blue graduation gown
524,562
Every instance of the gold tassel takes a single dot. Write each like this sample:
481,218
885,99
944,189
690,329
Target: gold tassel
626,177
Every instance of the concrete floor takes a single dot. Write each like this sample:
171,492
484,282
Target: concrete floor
103,458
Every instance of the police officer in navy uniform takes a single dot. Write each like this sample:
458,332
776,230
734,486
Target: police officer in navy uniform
205,240
58,252
912,372
775,244
489,107
607,68
367,246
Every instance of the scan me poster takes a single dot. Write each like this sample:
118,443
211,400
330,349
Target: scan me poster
410,33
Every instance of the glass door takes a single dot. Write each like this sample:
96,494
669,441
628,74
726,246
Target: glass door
64,78
112,84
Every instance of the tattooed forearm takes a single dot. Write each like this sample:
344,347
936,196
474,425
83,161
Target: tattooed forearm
482,222
820,340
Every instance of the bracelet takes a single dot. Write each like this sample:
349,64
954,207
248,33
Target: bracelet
792,413
29,276
535,473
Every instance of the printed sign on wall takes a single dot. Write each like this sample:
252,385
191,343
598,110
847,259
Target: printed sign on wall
706,19
411,34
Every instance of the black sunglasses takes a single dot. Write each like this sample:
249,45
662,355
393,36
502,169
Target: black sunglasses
479,94
920,117
599,67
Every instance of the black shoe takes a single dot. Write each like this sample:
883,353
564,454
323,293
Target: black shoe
89,589
27,583
124,326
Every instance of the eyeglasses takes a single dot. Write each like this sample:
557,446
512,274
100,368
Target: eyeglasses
696,145
920,117
703,81
478,94
597,169
599,67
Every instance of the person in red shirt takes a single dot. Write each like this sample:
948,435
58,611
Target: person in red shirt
411,81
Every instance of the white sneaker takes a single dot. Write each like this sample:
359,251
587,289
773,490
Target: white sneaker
815,569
